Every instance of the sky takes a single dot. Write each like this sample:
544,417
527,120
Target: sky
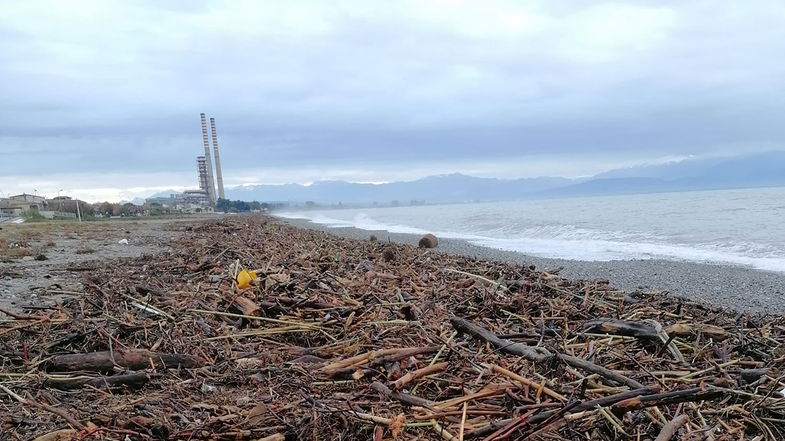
101,100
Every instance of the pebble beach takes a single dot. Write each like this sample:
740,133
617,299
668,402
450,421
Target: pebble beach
731,287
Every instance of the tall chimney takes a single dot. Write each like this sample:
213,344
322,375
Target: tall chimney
218,174
210,183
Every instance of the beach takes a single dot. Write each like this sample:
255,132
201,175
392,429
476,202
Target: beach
251,328
732,287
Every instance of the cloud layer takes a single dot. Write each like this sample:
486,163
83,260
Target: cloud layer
377,90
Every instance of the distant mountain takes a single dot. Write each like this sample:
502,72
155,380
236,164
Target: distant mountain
163,194
758,170
135,201
433,189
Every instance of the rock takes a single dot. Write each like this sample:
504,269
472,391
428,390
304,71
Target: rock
373,238
428,241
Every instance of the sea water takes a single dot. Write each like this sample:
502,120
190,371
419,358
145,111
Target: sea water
738,227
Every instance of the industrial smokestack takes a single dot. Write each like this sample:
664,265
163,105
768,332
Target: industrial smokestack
218,175
210,184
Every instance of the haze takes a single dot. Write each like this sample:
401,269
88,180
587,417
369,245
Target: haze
102,99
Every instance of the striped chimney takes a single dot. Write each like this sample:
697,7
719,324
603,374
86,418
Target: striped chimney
210,183
218,174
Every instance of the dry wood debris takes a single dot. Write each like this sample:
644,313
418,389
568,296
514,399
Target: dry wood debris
345,339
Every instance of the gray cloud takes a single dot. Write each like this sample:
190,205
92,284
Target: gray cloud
356,88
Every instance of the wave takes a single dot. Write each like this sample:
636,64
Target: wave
573,243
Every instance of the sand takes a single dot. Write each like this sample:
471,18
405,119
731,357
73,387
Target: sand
732,287
70,248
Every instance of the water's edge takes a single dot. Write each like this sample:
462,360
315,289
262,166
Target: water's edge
732,287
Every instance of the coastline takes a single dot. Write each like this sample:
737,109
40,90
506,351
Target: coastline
731,287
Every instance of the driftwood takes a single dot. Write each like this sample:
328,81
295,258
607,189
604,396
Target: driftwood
586,405
129,359
686,329
669,430
419,373
538,354
401,396
134,380
620,327
667,398
247,306
351,345
532,353
648,329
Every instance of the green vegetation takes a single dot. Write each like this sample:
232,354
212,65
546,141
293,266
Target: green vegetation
228,206
33,216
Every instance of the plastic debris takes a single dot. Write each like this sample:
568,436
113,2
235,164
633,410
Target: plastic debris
244,278
123,241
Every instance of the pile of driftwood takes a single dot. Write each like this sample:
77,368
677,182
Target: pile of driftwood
252,329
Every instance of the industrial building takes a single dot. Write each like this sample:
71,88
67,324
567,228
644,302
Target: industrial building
204,198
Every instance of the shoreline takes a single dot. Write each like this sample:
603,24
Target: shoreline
732,287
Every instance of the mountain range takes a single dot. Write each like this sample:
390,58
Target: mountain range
755,170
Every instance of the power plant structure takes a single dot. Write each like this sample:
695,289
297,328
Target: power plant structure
205,164
206,196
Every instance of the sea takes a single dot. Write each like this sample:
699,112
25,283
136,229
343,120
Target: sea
737,227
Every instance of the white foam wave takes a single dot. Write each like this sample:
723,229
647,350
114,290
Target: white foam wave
574,243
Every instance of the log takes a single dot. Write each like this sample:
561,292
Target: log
428,241
133,359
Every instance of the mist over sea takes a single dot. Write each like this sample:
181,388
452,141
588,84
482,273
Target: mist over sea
737,227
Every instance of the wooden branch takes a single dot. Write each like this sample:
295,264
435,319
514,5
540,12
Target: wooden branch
59,412
620,327
525,381
133,359
247,306
664,399
351,364
532,353
670,428
538,354
400,396
419,373
134,380
586,405
599,370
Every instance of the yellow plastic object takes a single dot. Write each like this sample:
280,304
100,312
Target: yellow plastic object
244,278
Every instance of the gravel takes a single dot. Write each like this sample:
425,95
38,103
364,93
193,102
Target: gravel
731,287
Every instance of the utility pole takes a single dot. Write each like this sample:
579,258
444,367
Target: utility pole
78,210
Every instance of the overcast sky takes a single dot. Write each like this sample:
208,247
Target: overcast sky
102,98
